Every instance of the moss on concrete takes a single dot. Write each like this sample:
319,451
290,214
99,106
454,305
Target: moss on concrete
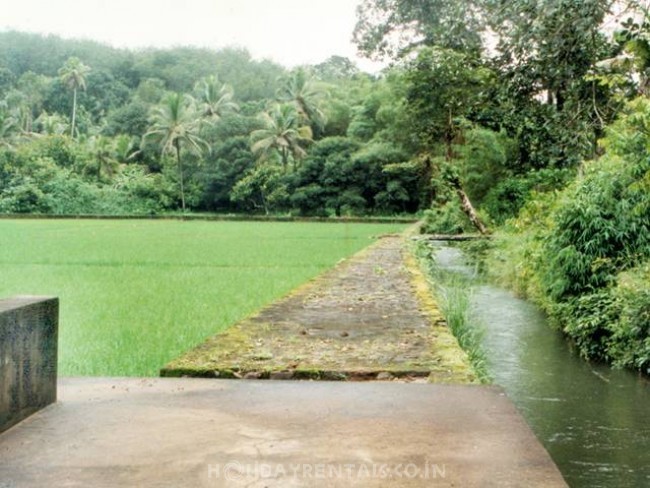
371,317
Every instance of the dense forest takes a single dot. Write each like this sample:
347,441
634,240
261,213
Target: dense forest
88,129
528,119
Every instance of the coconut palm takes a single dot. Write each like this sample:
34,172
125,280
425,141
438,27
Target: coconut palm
103,150
175,124
8,126
282,133
300,89
73,75
216,99
21,111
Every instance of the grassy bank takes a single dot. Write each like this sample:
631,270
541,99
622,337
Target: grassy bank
452,292
134,294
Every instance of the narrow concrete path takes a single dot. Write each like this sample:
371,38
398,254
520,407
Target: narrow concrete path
171,433
371,317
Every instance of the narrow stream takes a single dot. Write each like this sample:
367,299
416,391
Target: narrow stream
593,420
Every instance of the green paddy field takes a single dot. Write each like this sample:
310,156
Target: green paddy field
135,293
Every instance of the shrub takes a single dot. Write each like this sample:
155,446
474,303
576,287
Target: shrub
630,346
447,218
583,253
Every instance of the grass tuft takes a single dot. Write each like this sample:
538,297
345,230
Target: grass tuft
453,293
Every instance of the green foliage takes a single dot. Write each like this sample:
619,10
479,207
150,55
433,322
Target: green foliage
326,181
306,95
582,253
215,98
393,28
630,341
443,88
175,126
406,187
264,188
227,163
73,76
446,218
602,228
23,196
509,195
484,156
133,117
282,134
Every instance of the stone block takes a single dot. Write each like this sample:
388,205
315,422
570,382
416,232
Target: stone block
28,356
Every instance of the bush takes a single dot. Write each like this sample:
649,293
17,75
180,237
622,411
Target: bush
630,343
447,218
601,228
583,253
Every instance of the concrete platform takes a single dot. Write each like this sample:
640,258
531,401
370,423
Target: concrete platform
220,433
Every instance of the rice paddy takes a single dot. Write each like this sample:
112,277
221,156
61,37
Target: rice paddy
134,294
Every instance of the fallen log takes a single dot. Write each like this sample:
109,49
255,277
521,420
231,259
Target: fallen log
451,237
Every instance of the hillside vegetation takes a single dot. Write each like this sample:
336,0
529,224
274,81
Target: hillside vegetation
527,119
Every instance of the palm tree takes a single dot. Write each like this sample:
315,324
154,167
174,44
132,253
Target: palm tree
216,99
301,90
103,150
281,133
8,126
21,110
73,75
174,124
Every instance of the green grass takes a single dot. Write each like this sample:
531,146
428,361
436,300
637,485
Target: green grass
453,293
136,294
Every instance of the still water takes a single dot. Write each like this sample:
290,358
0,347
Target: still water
593,420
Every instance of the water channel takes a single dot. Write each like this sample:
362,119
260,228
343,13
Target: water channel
593,420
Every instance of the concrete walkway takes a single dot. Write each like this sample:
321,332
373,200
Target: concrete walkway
217,433
371,317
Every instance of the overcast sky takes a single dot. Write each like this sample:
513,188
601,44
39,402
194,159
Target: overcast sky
290,32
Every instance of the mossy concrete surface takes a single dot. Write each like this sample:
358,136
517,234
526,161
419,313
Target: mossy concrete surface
372,317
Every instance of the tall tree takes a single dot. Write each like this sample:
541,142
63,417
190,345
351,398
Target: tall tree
8,125
392,28
216,99
548,50
304,92
444,86
634,37
549,45
282,133
175,124
73,75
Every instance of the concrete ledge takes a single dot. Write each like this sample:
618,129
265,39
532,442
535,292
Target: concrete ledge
28,356
217,433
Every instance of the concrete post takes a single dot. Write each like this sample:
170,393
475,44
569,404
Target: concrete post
28,356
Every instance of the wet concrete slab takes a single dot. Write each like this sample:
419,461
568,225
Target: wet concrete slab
217,433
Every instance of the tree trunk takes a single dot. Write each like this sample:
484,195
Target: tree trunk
467,206
74,112
180,173
285,159
425,188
